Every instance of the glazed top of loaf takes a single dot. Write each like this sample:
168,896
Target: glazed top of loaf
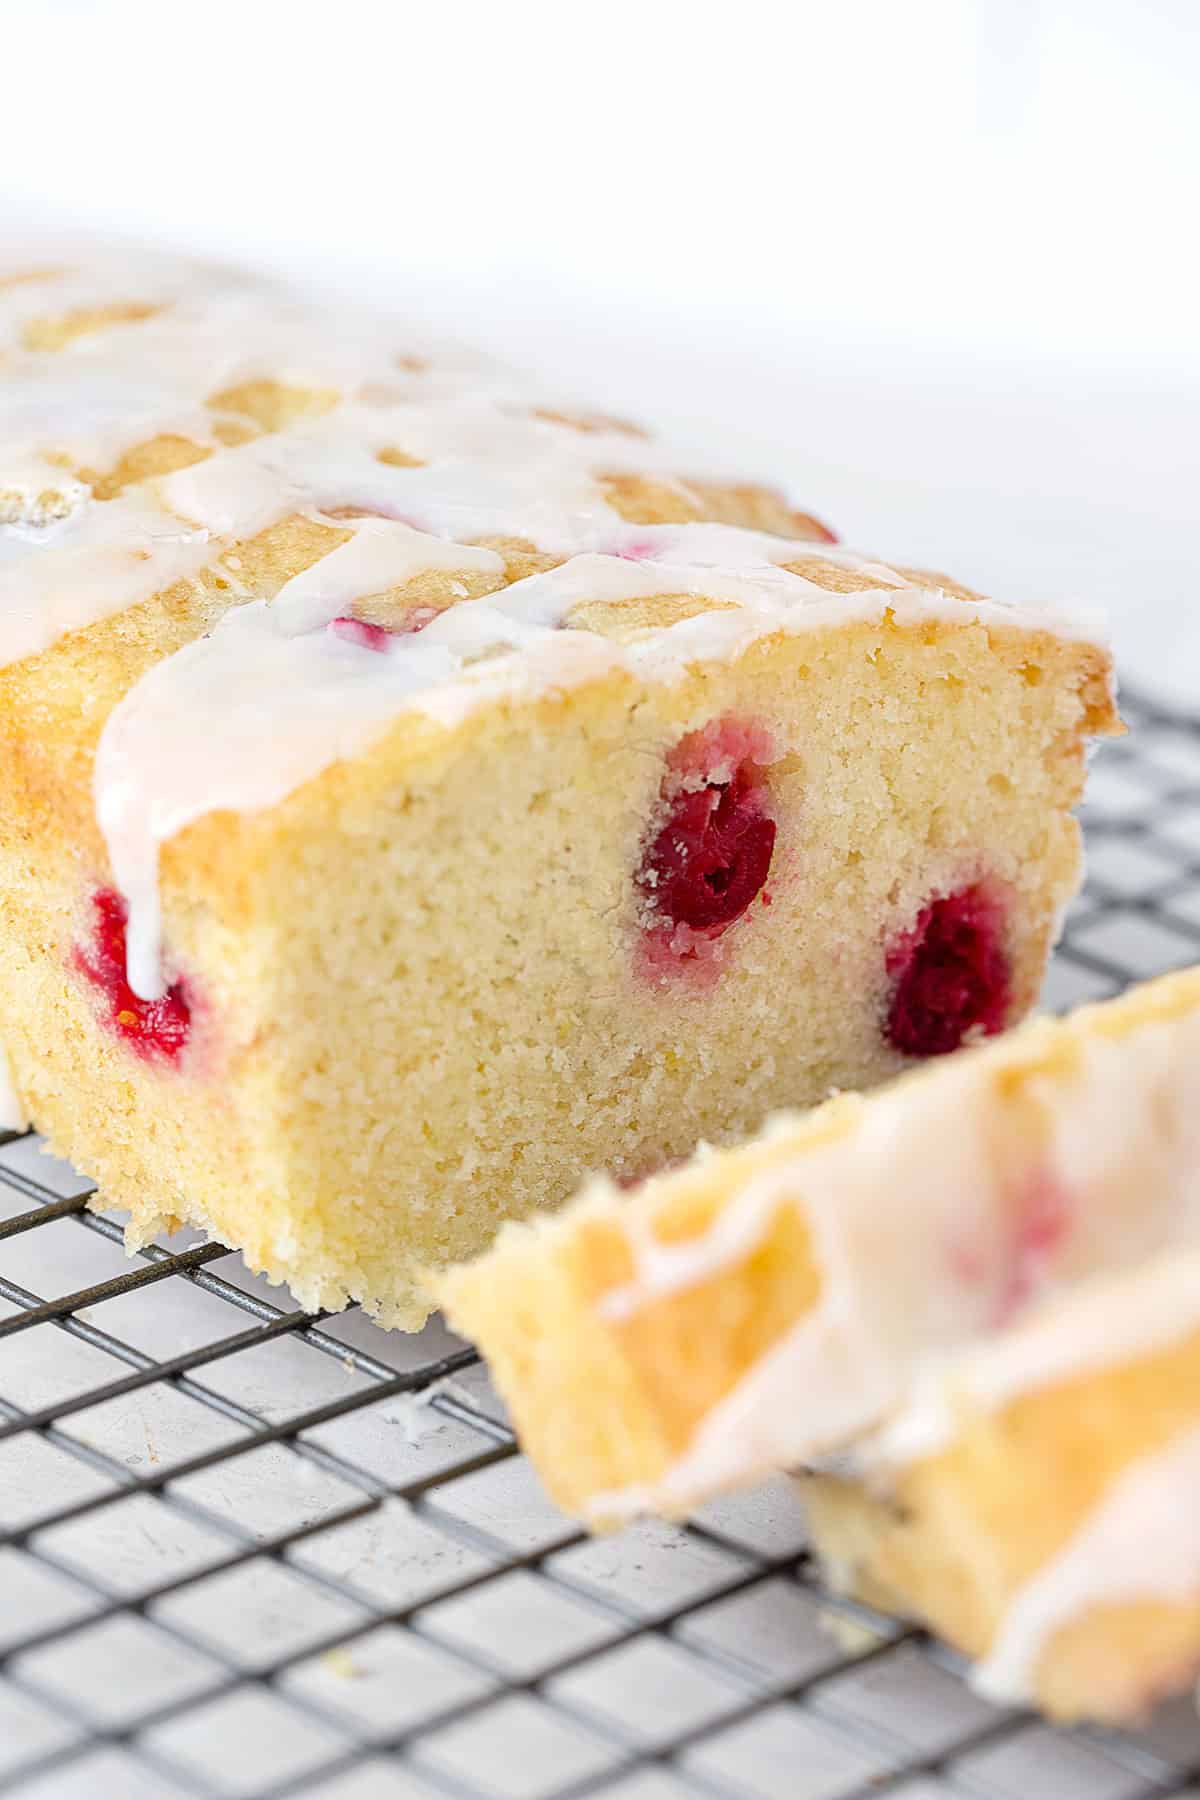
453,534
154,412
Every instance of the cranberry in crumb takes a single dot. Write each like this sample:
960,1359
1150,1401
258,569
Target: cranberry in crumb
376,637
358,631
951,975
710,856
155,1030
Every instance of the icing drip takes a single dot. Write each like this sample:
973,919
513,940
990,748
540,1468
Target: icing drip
1103,1323
661,1270
381,554
1141,1542
916,1228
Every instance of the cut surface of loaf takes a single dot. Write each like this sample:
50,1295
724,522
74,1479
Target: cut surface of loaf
771,1304
1037,1502
418,793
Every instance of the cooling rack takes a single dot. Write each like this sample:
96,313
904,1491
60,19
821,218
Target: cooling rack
250,1551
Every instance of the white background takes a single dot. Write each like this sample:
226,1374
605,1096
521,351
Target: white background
931,261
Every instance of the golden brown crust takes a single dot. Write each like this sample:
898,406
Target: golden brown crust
160,455
933,578
834,577
274,405
647,500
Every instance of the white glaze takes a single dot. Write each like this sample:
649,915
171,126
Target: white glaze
1141,1542
1108,1319
381,554
915,1226
661,1270
493,465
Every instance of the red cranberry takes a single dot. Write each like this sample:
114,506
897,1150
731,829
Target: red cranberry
358,631
375,637
710,856
951,975
155,1030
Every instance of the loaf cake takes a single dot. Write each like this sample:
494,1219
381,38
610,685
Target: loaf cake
418,792
1037,1501
772,1304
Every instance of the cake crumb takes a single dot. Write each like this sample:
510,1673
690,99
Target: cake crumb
339,1662
850,1635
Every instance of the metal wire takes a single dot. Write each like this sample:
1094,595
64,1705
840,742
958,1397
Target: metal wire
702,1661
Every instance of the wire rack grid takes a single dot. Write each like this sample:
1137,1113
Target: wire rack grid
250,1551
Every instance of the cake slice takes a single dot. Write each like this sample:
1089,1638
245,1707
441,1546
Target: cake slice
770,1304
1037,1500
418,793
